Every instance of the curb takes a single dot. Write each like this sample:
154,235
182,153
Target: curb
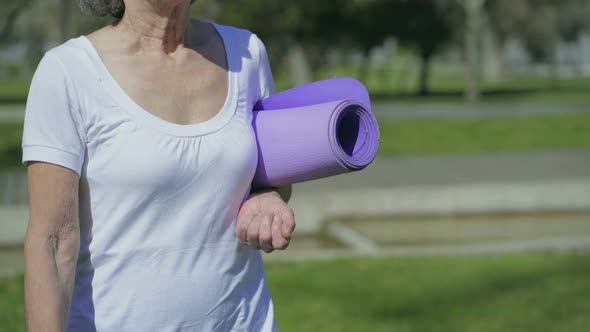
13,225
313,209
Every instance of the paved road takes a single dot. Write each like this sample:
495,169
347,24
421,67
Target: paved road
12,260
12,113
405,172
416,171
419,171
400,111
459,169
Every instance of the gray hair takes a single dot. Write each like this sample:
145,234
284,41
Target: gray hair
115,8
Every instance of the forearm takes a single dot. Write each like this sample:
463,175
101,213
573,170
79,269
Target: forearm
50,262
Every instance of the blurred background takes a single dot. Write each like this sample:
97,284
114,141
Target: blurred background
475,215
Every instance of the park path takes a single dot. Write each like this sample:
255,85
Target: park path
437,170
12,113
459,169
407,172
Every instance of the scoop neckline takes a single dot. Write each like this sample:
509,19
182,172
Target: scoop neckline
132,108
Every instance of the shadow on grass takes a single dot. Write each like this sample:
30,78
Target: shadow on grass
13,100
10,145
10,157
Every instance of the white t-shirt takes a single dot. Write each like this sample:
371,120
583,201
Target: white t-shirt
158,200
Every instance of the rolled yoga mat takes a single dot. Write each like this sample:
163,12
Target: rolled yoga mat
314,131
340,88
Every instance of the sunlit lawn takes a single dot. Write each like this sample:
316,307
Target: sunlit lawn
398,83
527,292
14,91
533,292
425,137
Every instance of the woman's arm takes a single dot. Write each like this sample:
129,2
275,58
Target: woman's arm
51,245
265,220
284,191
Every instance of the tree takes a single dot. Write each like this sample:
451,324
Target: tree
473,19
540,34
14,9
422,27
299,29
293,29
573,18
418,25
502,19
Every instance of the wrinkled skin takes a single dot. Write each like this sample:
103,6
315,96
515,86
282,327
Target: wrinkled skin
265,221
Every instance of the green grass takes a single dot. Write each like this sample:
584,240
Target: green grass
526,292
10,145
398,81
12,314
423,137
533,292
427,137
14,92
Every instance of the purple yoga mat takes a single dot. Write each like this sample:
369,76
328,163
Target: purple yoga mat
304,134
319,92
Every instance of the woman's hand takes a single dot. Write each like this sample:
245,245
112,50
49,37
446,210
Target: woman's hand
265,221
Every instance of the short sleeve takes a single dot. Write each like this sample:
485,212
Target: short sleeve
267,86
53,130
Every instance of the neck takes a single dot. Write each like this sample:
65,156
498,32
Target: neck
156,25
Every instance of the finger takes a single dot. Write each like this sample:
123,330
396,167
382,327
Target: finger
242,229
278,241
288,224
253,232
265,235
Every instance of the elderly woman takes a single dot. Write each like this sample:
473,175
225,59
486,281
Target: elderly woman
140,151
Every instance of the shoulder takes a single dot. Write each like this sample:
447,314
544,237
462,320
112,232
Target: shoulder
60,76
67,53
53,64
61,61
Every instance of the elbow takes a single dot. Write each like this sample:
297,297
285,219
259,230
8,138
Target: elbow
62,241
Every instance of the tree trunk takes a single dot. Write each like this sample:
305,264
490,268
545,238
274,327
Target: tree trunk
365,65
424,74
492,59
299,66
7,26
64,20
473,9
